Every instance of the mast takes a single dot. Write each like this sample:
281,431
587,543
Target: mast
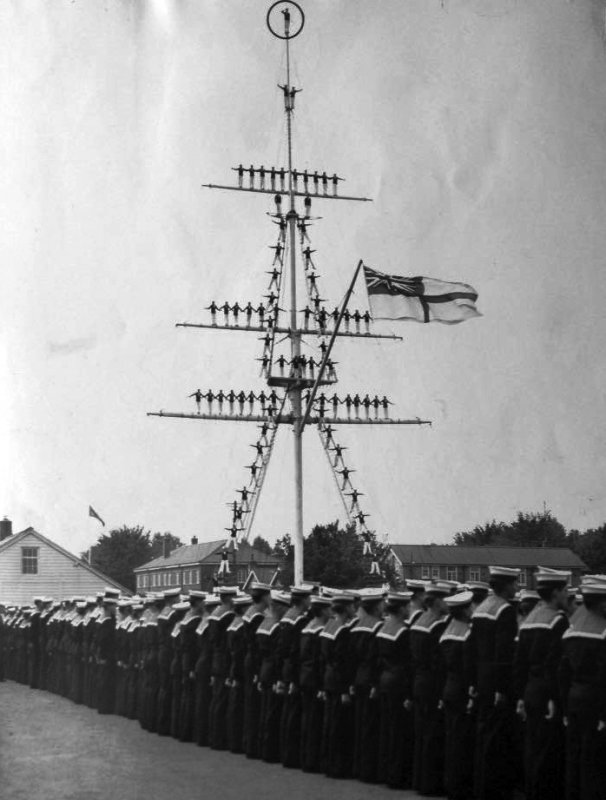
301,376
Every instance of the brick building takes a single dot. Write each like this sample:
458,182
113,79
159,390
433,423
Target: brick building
470,563
195,565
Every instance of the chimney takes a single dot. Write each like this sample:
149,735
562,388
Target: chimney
194,540
165,547
6,529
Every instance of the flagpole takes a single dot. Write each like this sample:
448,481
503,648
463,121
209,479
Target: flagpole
314,391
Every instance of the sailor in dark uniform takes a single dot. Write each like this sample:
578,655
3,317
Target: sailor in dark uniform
425,636
220,621
253,616
202,671
180,609
491,649
236,651
105,654
365,684
583,687
395,693
458,724
535,674
417,601
339,668
272,692
188,649
291,625
310,684
479,590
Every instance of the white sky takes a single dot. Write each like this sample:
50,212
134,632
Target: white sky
479,129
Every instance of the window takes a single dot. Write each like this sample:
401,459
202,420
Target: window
435,573
425,573
522,578
165,579
451,574
474,574
29,560
196,579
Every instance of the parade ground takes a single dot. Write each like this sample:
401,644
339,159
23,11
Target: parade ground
51,749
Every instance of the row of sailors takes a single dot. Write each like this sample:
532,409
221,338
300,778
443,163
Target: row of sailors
450,693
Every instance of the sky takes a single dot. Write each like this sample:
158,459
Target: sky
477,127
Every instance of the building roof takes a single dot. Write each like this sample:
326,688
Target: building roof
7,543
208,553
485,555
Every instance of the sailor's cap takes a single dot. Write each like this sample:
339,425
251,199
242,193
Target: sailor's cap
174,591
544,576
243,600
110,601
196,594
398,597
439,587
257,586
183,605
228,590
343,597
415,585
596,586
301,590
528,594
478,586
81,605
320,600
371,595
511,573
280,597
459,599
109,591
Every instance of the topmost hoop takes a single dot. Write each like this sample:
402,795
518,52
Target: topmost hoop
287,14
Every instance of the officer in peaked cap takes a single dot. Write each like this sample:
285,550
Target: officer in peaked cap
536,685
491,646
583,681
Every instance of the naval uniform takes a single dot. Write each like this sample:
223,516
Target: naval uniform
267,636
458,723
106,665
583,687
396,738
219,622
491,645
236,649
203,690
535,674
428,764
366,698
252,618
291,625
188,649
312,707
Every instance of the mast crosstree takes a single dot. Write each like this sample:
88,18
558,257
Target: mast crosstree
296,383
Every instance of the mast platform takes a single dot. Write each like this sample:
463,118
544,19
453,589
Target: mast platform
290,419
286,193
289,331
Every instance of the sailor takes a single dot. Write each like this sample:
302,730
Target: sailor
253,616
316,178
248,309
357,317
428,764
202,672
241,398
261,312
321,316
367,402
240,175
365,684
272,697
105,655
251,397
458,724
189,654
310,684
198,397
275,278
278,202
272,179
291,626
262,398
167,619
376,404
325,182
209,399
338,677
366,317
278,256
583,685
312,277
219,622
307,204
348,402
354,492
292,94
231,399
386,403
527,601
213,308
307,257
182,611
334,401
303,225
307,312
262,177
225,308
295,178
491,647
264,364
236,652
251,176
335,183
305,182
282,174
479,590
281,361
235,309
357,402
535,680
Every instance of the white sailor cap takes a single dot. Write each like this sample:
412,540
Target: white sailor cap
371,594
511,573
174,591
439,587
415,585
257,586
528,594
545,576
109,591
228,590
596,586
459,599
398,598
182,605
280,597
243,600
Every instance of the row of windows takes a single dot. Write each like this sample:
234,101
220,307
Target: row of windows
160,579
453,573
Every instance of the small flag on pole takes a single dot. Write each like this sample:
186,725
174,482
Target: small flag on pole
93,513
419,299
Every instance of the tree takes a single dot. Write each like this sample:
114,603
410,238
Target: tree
590,547
120,551
261,544
535,529
334,556
160,541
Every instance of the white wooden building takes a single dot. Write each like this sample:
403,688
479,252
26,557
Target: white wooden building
31,565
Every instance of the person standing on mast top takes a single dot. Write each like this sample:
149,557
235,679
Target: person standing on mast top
307,204
198,397
262,177
251,177
272,179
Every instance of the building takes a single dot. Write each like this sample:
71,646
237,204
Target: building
470,563
32,565
195,566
